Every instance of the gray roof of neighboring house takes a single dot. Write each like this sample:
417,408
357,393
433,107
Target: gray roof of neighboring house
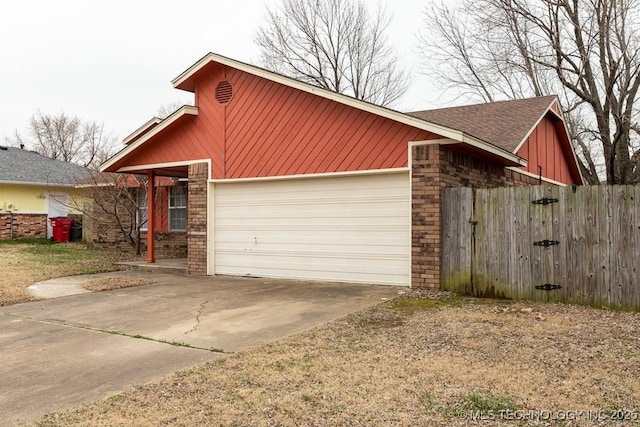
29,167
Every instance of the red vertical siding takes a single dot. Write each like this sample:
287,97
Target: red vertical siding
277,130
269,129
543,148
162,209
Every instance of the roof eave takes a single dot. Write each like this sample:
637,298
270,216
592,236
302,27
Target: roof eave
510,159
153,122
186,110
38,184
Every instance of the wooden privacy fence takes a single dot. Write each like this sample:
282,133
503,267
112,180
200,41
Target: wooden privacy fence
571,244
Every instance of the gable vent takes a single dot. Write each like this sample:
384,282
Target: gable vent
224,92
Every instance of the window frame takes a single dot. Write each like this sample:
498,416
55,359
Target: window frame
177,208
142,207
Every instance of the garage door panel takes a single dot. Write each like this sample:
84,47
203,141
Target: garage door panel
351,225
384,250
318,186
310,211
340,228
368,238
313,266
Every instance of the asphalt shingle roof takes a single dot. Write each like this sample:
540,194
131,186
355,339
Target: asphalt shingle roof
29,167
503,123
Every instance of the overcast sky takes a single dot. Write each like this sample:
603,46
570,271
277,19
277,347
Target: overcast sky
113,61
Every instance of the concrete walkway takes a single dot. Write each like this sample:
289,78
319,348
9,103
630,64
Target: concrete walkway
61,352
72,285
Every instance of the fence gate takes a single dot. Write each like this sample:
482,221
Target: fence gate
569,244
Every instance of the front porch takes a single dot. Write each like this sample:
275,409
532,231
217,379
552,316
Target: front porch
173,266
195,263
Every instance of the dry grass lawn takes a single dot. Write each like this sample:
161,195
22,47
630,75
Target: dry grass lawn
429,359
26,263
111,283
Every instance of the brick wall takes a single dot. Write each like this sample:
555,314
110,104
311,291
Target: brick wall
168,244
107,233
433,168
24,225
197,223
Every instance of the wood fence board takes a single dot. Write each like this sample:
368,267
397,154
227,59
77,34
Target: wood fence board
513,237
491,250
503,250
615,237
466,216
568,238
603,246
523,246
457,234
548,262
625,209
557,251
536,220
593,239
479,262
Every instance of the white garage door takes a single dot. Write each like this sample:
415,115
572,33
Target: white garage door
348,228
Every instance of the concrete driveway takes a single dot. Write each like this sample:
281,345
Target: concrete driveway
61,352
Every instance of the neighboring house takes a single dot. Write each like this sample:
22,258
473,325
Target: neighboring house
34,188
289,180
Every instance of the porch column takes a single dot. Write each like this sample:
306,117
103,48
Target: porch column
151,216
197,220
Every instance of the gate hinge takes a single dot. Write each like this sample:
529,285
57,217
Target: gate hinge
546,243
545,201
548,287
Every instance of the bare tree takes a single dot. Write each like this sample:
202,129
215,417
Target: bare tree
68,139
166,110
334,44
586,51
109,201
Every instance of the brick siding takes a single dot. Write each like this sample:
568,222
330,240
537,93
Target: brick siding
197,223
106,233
433,168
24,225
168,244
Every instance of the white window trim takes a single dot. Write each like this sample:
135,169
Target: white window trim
143,227
170,209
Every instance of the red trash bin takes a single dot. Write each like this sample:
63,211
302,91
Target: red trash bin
61,229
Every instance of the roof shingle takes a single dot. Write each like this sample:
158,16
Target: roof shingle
29,167
503,123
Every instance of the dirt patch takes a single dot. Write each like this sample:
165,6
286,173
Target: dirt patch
26,263
111,283
416,360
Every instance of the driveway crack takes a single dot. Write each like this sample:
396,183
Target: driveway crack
198,314
113,332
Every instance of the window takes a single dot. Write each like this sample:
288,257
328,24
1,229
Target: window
177,208
141,201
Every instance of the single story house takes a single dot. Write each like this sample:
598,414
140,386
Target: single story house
289,180
34,188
